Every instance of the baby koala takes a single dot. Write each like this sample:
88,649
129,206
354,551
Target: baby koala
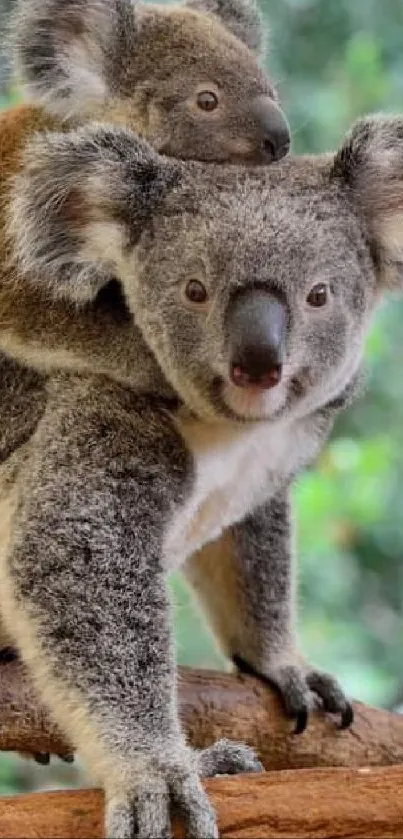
251,293
185,76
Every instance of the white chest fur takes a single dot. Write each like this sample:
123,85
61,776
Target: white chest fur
236,469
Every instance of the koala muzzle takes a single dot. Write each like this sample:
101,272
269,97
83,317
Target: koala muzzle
256,325
273,128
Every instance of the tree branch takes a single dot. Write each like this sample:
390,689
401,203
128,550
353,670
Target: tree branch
314,802
215,705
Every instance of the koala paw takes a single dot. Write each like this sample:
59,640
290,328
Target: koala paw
227,758
145,814
302,689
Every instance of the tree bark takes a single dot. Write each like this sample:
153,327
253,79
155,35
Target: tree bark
215,705
320,803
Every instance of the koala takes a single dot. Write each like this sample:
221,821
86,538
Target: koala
186,77
252,291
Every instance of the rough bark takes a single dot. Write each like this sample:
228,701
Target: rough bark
319,803
215,705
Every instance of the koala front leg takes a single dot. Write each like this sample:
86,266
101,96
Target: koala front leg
83,592
245,582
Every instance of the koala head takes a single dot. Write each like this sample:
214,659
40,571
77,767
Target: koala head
253,287
185,77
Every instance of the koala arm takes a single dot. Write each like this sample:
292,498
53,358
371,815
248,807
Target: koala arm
246,583
83,593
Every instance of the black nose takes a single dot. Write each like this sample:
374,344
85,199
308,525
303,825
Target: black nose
273,128
256,323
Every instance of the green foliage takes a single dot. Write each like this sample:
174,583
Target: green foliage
334,61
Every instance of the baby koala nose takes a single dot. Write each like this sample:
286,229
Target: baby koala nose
274,128
256,325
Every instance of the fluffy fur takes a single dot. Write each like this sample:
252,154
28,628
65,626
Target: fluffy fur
141,66
144,65
119,484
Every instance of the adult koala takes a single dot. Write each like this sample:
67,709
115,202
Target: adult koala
251,293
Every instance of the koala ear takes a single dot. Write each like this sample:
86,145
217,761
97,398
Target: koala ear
241,17
65,50
80,204
371,164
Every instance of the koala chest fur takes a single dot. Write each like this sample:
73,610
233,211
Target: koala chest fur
235,470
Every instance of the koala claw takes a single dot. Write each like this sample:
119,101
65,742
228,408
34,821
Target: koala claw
227,758
347,716
43,758
302,721
67,757
302,689
7,654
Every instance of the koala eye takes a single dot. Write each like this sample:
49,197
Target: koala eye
318,295
207,100
196,292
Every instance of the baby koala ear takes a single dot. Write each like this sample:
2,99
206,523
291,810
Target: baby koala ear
241,17
66,51
371,164
80,204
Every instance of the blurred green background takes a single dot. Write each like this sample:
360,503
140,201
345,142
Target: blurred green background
332,60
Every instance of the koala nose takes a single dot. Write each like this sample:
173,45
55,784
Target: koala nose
256,325
273,127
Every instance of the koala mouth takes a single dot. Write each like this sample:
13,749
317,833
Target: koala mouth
252,405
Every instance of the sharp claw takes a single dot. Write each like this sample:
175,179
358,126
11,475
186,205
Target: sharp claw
7,654
347,717
302,721
42,757
246,668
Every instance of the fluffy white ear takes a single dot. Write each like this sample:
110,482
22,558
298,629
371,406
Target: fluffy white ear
370,163
79,206
242,17
66,50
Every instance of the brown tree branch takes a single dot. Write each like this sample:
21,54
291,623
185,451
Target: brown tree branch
311,803
215,705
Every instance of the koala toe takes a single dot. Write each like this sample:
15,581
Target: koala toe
228,758
67,757
144,812
194,806
303,690
43,758
332,696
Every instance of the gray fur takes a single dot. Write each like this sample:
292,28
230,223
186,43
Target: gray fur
241,16
120,484
23,399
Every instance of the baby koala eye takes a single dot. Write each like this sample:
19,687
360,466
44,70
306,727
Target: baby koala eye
207,100
318,295
196,292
